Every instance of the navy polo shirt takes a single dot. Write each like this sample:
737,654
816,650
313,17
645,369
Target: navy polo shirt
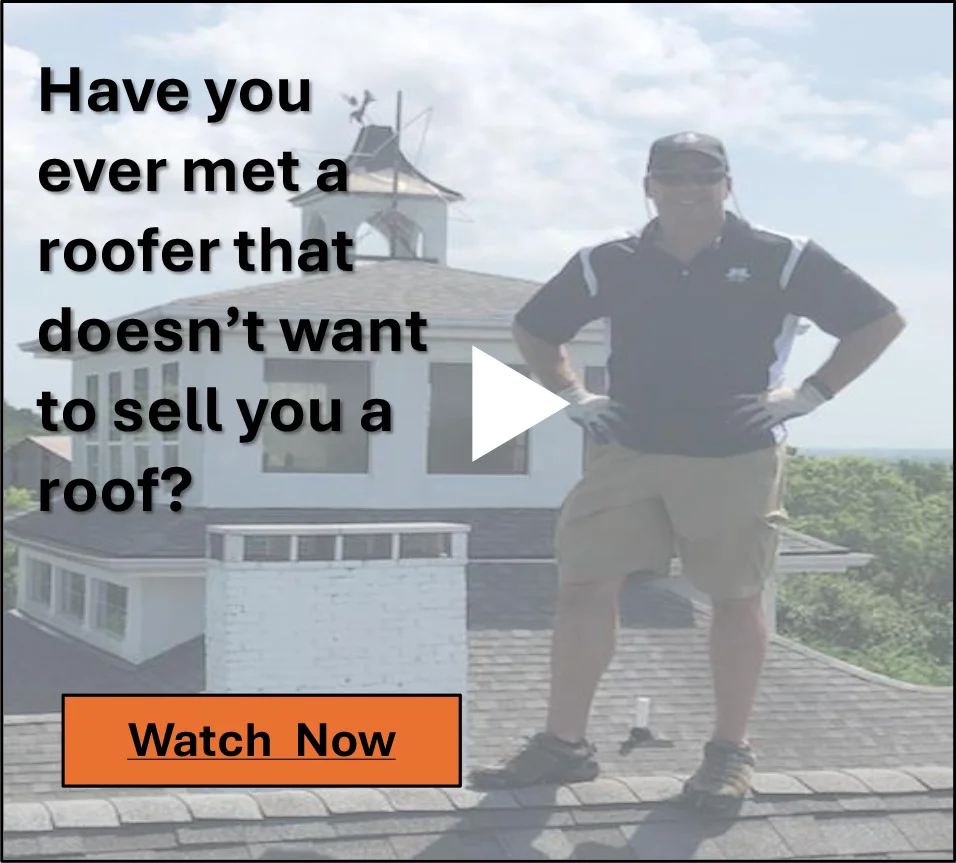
685,339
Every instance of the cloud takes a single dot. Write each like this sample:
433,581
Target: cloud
761,16
938,88
923,158
34,10
935,90
538,109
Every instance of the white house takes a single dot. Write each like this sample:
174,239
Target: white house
134,583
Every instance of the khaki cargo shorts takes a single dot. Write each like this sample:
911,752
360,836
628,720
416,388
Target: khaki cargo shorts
634,511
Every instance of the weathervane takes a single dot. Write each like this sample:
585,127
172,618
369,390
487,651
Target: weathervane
358,115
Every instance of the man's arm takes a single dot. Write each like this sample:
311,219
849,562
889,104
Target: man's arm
846,306
542,328
551,318
597,415
549,363
857,351
843,304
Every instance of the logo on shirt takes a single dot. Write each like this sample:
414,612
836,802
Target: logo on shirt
738,275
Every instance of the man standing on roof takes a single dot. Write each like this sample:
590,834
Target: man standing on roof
686,453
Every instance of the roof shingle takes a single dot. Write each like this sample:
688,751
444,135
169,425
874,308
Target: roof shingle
571,822
496,533
812,714
386,289
836,747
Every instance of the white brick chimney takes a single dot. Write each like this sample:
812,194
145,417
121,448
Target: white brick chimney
329,609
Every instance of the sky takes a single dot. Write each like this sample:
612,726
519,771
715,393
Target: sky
837,117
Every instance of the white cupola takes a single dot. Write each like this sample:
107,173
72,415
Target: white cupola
387,193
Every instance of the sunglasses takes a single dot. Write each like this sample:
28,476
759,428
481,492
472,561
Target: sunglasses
695,178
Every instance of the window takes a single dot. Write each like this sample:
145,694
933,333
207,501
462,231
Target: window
115,387
92,463
263,548
449,428
170,455
110,607
39,582
140,459
141,394
170,390
92,436
116,461
71,594
424,545
307,450
115,390
317,547
170,378
141,447
93,391
372,546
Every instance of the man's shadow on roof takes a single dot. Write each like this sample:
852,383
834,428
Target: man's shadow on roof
529,824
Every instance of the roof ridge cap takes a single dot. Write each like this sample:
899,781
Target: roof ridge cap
859,671
787,643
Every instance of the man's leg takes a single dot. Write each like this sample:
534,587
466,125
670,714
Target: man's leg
585,632
612,523
726,514
738,646
582,645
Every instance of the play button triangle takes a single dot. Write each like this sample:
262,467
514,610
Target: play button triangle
504,403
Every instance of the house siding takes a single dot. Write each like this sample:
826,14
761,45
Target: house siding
173,612
86,624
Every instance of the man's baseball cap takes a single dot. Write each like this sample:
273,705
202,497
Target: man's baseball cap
664,151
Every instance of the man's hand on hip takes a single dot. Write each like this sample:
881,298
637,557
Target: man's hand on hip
599,416
763,411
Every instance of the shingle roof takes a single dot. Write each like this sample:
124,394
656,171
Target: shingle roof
495,533
812,713
387,287
61,445
383,289
888,815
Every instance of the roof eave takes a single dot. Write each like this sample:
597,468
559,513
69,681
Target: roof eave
488,321
788,564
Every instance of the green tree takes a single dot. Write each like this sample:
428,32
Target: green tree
894,615
854,621
15,500
929,478
874,507
19,423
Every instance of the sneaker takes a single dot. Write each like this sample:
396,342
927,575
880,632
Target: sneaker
545,760
724,776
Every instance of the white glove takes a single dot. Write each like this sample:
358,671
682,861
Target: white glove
763,411
599,416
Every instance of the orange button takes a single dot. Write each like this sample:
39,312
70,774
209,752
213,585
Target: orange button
262,740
